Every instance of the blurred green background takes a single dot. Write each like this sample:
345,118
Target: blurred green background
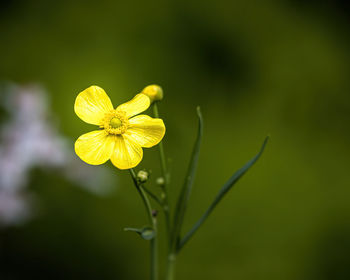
255,68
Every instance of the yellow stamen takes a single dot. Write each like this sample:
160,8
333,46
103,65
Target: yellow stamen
115,122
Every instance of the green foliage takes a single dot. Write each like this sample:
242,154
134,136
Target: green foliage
185,193
225,188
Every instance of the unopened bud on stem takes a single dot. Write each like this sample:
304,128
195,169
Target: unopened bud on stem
142,176
154,92
160,181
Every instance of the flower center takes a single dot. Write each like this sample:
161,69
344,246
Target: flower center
115,122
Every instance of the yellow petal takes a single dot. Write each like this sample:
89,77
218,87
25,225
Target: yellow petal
127,154
92,104
145,131
135,106
95,147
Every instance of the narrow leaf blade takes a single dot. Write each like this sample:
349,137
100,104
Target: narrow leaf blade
184,196
225,188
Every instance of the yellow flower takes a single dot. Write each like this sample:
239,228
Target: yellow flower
122,134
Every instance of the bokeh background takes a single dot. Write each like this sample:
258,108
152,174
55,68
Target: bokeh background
278,67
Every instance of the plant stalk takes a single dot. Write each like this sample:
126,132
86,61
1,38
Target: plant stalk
165,175
153,222
170,271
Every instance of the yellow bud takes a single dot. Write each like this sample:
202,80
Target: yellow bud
154,92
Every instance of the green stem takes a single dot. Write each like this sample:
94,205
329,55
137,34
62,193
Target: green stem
152,195
170,274
161,151
153,222
166,208
166,177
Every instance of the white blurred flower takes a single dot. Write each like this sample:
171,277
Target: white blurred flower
31,139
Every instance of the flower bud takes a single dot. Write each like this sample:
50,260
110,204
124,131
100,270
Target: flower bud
160,181
154,92
142,176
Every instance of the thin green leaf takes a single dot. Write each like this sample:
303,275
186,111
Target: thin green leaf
184,196
137,230
152,195
226,187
